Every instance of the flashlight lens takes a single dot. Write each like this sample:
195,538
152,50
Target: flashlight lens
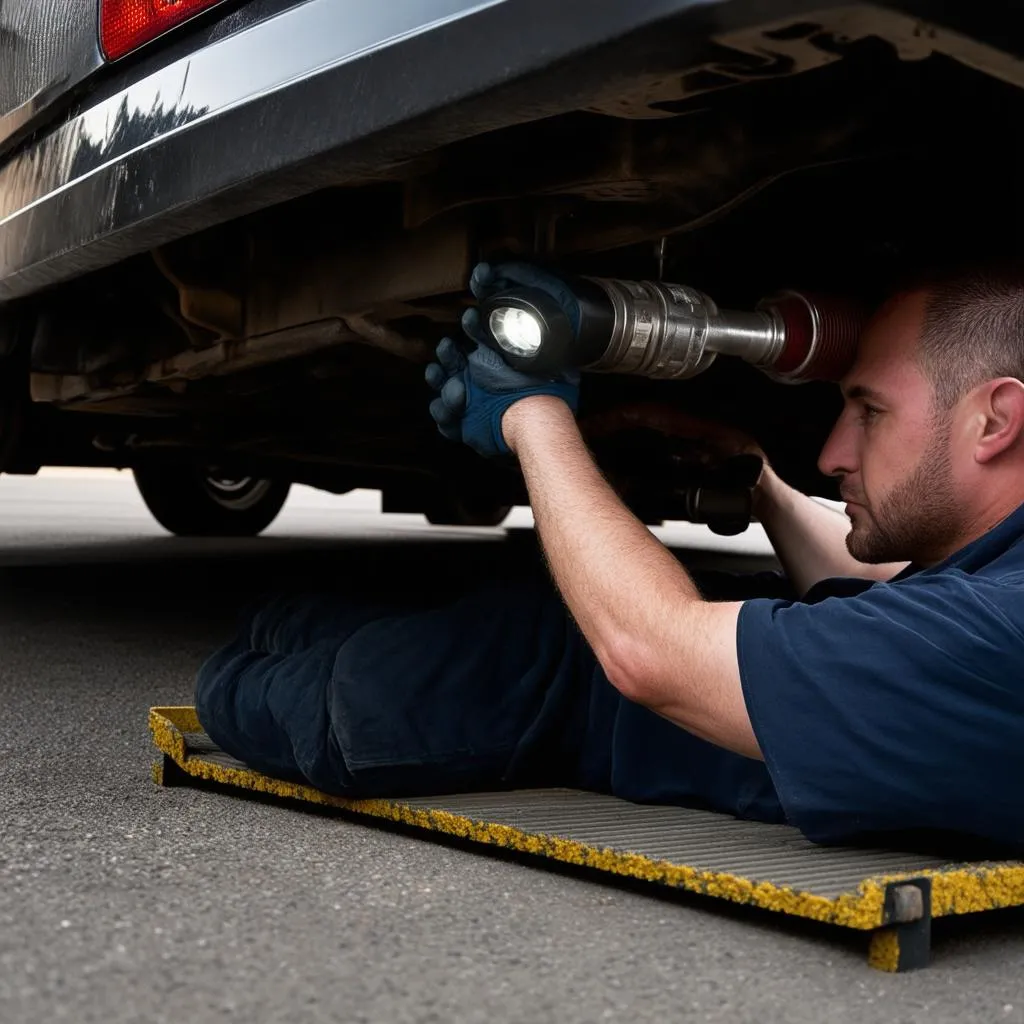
517,331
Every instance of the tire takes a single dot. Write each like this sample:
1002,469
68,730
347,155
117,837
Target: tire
192,501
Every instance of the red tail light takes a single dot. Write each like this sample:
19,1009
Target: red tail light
126,24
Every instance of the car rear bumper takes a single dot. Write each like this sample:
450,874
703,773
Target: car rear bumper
280,108
326,93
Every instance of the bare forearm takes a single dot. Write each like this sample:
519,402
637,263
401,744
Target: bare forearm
809,537
584,526
656,638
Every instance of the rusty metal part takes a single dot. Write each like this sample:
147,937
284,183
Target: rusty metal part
379,273
224,357
213,309
787,47
389,340
642,174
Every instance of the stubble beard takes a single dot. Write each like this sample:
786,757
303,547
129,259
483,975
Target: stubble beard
919,519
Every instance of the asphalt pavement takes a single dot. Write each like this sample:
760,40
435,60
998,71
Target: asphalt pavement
120,901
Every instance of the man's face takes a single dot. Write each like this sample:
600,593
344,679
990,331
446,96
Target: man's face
891,449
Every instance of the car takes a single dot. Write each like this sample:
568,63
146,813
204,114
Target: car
232,233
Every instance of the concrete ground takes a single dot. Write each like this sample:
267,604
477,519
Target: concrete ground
123,902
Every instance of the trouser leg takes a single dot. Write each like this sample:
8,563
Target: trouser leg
474,693
262,697
495,689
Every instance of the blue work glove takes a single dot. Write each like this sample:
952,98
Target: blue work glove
475,390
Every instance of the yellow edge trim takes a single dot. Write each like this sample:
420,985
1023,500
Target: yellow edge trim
167,726
884,950
862,909
956,891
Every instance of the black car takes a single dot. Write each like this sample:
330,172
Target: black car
231,233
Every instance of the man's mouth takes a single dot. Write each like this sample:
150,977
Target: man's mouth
852,505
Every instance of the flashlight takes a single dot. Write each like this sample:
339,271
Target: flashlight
530,329
533,333
670,331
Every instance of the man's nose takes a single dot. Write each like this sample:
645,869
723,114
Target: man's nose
838,457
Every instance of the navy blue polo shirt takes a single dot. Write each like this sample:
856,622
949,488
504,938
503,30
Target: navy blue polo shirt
900,705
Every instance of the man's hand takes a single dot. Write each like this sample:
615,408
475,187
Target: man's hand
475,390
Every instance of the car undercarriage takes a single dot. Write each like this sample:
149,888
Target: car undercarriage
849,154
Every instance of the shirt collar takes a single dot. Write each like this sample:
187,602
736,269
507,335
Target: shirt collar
981,551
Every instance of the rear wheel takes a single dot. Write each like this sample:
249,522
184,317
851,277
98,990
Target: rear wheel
197,501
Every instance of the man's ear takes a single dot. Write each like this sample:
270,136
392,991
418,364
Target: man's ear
1002,413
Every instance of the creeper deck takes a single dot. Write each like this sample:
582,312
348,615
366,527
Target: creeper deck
890,894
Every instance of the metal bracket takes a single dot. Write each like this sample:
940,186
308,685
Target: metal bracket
904,943
166,772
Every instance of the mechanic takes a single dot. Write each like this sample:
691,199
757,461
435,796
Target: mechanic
884,694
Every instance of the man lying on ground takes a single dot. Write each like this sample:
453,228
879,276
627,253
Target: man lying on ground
885,693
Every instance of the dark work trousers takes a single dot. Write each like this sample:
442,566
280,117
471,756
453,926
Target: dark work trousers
493,689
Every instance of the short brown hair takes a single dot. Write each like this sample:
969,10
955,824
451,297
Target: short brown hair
973,330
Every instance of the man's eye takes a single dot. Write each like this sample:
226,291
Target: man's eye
869,412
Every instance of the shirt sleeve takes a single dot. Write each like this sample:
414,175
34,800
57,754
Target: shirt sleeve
897,709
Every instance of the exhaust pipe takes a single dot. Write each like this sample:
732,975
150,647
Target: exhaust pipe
671,331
